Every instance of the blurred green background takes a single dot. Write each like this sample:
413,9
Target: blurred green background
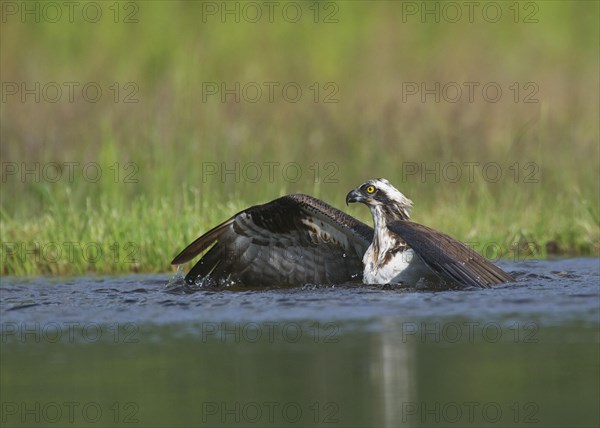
155,134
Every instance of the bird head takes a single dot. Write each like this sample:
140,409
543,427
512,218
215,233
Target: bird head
380,196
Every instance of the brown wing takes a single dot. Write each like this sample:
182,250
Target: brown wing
449,257
291,241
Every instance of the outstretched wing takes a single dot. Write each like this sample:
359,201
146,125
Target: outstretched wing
291,241
449,257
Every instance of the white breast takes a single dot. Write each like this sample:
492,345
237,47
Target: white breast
404,267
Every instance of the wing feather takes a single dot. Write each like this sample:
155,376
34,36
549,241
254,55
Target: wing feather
292,240
449,257
202,243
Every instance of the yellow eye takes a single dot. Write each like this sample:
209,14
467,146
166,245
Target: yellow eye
370,189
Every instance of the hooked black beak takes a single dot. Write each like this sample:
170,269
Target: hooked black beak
354,196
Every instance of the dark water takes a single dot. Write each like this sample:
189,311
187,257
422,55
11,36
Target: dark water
125,351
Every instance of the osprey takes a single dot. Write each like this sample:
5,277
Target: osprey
297,239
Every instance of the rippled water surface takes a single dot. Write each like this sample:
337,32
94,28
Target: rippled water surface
127,351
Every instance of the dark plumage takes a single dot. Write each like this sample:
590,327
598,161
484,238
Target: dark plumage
298,239
291,241
448,257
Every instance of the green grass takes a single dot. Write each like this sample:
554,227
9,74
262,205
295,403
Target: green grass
167,138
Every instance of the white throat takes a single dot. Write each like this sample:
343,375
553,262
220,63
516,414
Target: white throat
388,260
